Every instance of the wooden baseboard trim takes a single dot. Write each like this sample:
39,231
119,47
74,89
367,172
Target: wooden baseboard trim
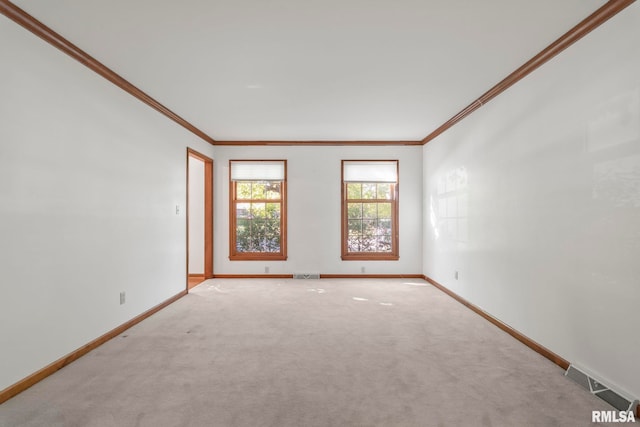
564,364
322,276
253,276
197,275
371,276
38,376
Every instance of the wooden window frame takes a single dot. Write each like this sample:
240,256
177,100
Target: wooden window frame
234,255
394,255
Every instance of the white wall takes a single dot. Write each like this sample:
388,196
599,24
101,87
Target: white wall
546,225
89,182
196,216
313,210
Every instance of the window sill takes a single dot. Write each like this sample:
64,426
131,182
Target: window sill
370,257
258,257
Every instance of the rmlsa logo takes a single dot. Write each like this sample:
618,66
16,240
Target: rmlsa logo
612,417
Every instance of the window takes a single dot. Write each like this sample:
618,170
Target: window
258,209
369,210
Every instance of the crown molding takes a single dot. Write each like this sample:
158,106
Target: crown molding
603,14
27,21
315,143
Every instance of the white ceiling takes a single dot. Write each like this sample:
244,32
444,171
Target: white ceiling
313,69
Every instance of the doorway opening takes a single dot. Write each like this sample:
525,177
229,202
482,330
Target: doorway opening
199,218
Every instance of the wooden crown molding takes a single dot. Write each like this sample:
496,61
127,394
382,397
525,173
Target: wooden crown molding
316,143
604,13
27,21
610,9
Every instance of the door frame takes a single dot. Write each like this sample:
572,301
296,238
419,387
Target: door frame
208,214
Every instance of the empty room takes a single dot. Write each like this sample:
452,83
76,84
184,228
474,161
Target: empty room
323,213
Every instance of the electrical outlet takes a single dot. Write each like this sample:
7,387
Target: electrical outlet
122,298
362,269
456,275
266,269
177,209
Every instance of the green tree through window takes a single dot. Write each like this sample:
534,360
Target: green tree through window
369,210
258,217
369,216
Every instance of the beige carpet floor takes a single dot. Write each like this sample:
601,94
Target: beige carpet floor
308,353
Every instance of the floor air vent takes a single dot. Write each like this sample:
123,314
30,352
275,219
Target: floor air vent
306,276
615,399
